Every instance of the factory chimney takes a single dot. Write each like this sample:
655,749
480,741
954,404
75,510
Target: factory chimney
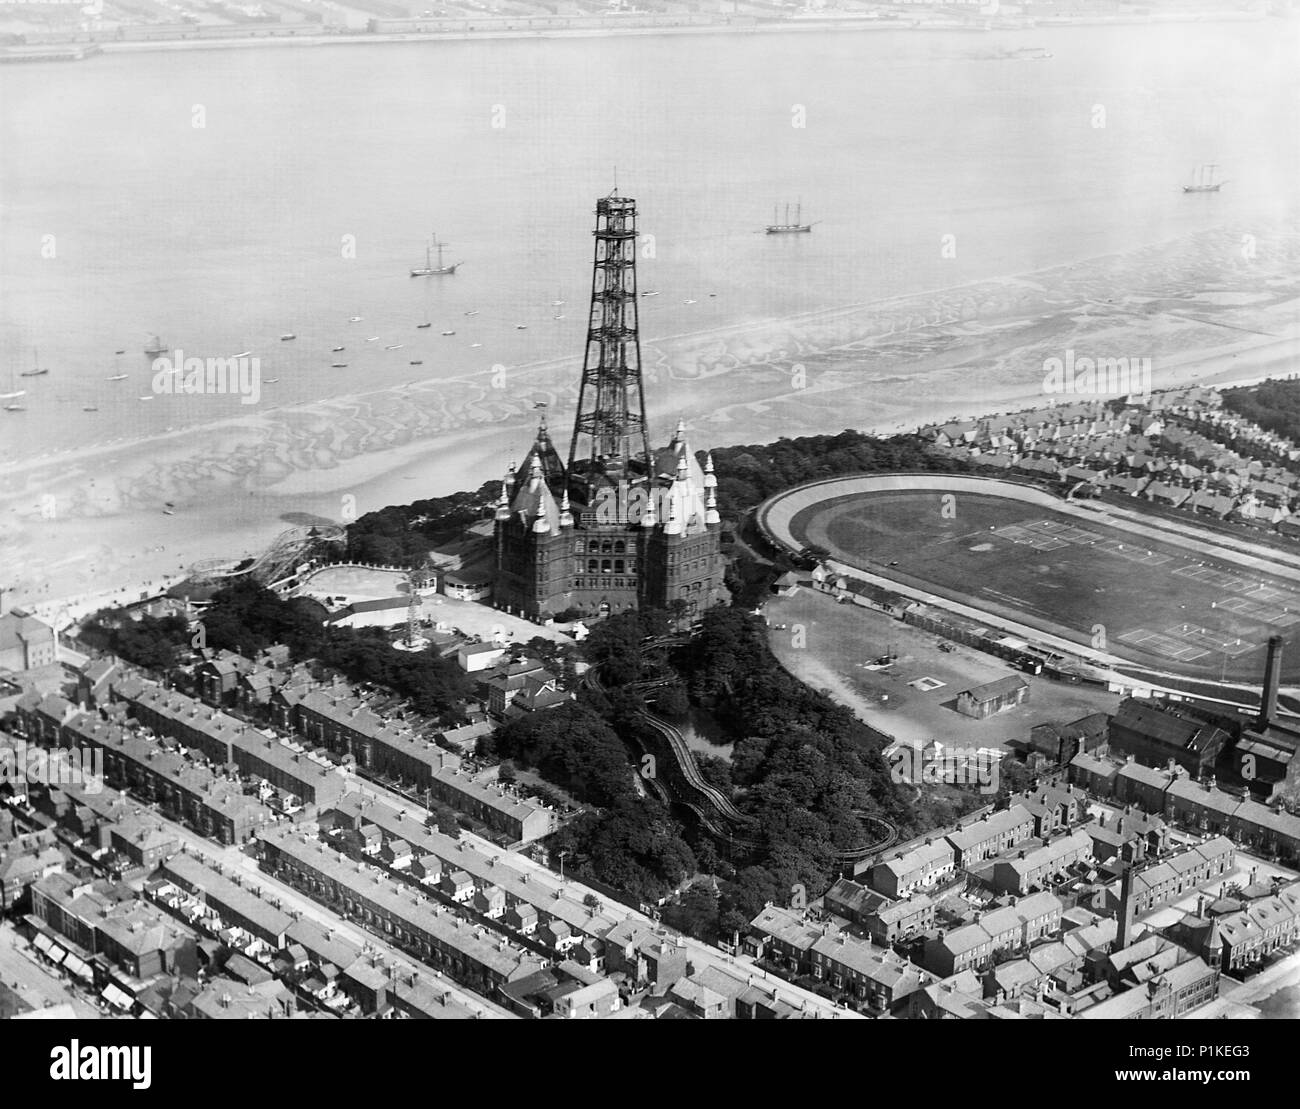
1124,933
1272,679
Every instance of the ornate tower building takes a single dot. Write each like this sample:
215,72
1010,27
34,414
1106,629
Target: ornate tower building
620,526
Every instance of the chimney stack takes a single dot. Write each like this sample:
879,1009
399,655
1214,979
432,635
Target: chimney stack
1272,679
1124,932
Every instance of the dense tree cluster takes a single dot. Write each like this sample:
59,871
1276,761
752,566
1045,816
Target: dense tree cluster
247,618
151,642
634,846
1274,405
804,766
631,843
401,535
570,746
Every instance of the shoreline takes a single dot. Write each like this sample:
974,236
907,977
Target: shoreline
885,367
512,33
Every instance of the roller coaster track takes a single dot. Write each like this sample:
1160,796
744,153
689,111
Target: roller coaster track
288,549
713,808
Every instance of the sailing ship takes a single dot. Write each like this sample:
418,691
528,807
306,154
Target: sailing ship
1204,180
786,227
36,370
429,269
155,345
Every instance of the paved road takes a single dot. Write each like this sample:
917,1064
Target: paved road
35,983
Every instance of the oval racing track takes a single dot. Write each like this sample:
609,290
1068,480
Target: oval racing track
785,520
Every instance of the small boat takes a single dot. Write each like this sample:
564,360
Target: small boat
651,293
155,345
89,408
521,327
270,380
14,408
119,352
169,504
150,397
168,512
242,354
473,345
287,336
424,325
394,346
690,302
338,365
429,269
713,294
118,377
354,319
449,333
373,339
472,312
336,349
417,362
558,316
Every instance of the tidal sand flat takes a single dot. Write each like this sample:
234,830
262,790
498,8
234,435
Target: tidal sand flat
887,366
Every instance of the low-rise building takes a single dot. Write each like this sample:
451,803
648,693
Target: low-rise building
992,697
919,867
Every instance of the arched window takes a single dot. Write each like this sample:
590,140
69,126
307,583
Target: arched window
607,547
593,547
605,566
618,565
593,566
619,546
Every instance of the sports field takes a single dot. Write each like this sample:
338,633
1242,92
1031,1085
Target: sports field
1152,602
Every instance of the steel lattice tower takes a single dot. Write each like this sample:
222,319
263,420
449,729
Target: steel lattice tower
611,403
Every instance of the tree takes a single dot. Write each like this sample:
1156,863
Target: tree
506,771
673,701
444,819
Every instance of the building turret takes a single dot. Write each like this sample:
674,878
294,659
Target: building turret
648,519
566,515
673,526
710,479
503,501
711,508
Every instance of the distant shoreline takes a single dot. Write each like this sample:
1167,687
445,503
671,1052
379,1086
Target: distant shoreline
67,50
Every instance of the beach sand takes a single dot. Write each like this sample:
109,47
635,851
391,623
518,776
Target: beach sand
90,520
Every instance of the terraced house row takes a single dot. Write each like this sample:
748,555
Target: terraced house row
578,921
213,804
1171,793
223,739
410,920
346,725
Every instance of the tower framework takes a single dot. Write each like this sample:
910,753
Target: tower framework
621,526
609,433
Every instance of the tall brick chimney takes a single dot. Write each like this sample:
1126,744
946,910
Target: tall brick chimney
1272,679
1125,931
